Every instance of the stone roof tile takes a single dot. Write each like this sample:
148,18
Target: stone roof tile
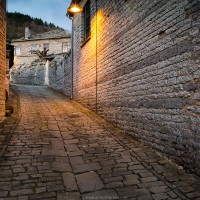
46,35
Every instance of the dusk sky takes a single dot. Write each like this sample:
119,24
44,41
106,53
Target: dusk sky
48,10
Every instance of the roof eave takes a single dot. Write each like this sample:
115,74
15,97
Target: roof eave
70,14
20,40
75,1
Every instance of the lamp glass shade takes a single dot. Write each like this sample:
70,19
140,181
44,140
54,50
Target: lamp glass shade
74,8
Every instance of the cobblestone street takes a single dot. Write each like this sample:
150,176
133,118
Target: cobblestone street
53,148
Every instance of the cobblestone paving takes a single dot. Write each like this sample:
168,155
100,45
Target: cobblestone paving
53,148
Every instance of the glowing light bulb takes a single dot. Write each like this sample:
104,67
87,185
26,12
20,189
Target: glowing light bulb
75,8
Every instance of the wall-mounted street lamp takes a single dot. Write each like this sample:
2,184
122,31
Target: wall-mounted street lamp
73,9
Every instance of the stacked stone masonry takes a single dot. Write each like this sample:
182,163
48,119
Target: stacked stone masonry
140,69
56,73
2,56
60,74
29,74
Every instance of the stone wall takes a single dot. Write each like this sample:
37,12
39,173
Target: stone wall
29,74
56,73
2,56
26,70
60,74
141,70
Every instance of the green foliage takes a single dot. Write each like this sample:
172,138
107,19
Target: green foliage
18,17
51,25
22,18
38,21
16,22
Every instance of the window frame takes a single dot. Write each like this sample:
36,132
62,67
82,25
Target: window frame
67,46
36,47
87,21
17,50
33,49
46,45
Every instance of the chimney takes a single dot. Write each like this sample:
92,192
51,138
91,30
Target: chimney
27,32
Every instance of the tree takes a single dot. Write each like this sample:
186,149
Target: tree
38,21
40,54
51,25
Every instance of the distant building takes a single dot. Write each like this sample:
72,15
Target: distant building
56,42
2,57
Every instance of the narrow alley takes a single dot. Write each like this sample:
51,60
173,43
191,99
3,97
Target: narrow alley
53,148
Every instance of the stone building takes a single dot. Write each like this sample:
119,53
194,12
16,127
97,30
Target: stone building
136,63
28,69
2,56
56,41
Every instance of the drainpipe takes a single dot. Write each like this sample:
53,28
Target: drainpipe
72,60
96,60
72,57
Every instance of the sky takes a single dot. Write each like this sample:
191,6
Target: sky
53,11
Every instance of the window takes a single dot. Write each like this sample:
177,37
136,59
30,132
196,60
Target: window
33,47
17,50
65,46
87,20
46,46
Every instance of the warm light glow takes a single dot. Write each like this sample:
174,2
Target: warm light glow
75,8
